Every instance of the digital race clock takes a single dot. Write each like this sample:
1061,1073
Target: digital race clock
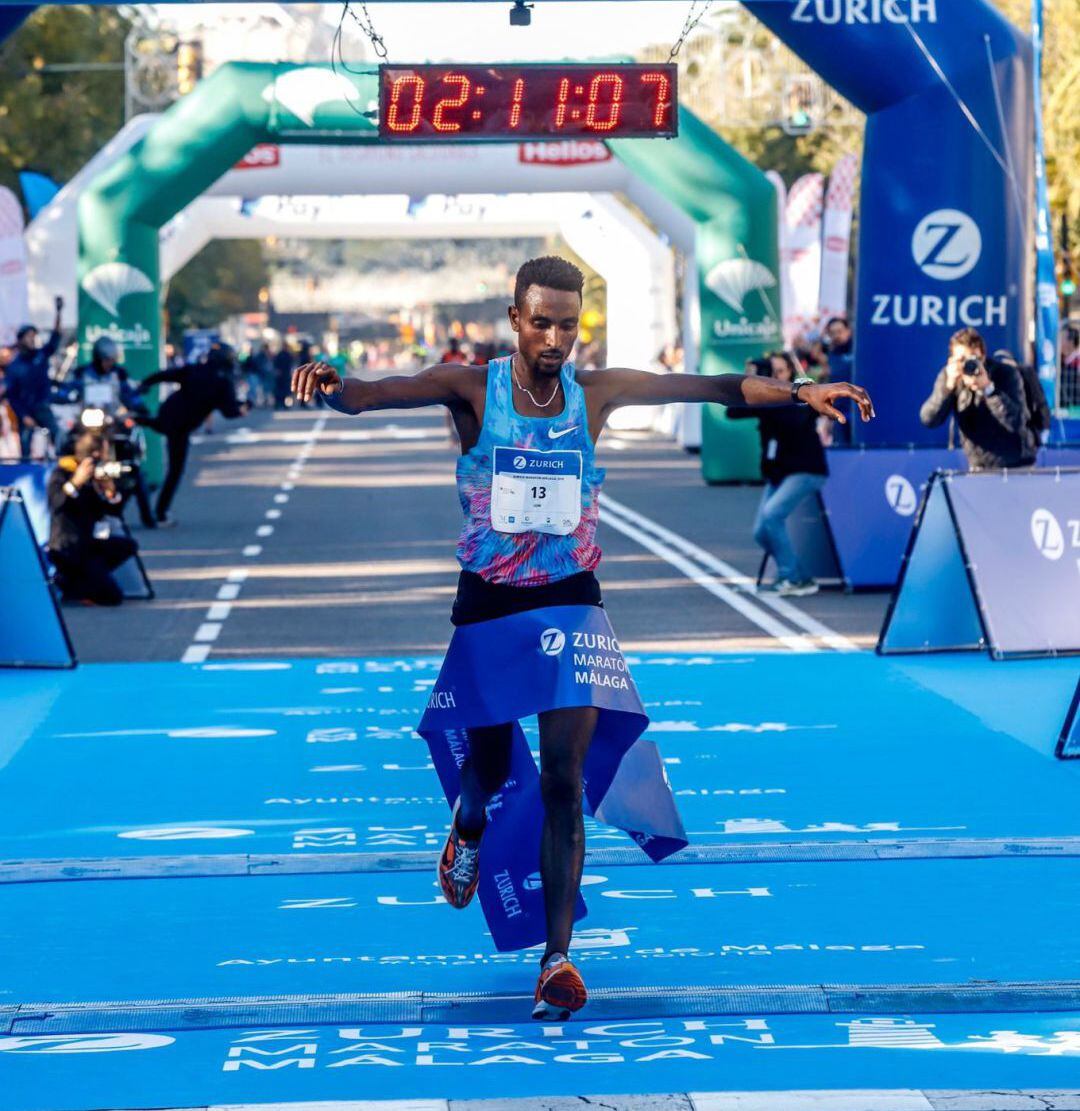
436,102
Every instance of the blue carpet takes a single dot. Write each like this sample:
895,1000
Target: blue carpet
301,757
175,767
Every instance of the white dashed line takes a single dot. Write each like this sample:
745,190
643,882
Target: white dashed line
229,591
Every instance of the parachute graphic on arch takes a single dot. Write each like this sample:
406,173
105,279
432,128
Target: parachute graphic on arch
111,281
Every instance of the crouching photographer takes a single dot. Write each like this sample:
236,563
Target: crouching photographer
986,398
82,491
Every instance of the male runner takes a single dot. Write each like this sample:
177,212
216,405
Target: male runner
528,545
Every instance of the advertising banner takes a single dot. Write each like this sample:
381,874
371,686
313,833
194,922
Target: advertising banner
1047,315
870,502
14,303
836,239
801,256
994,562
32,633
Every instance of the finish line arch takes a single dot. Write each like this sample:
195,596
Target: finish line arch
636,265
731,203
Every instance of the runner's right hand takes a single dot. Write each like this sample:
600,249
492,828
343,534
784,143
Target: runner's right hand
312,378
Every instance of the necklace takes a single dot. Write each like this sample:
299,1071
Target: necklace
538,404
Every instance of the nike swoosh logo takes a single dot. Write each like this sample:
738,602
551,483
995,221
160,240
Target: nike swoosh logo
561,432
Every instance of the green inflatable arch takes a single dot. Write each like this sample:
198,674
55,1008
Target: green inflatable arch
730,201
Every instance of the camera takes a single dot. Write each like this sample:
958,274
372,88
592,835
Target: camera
971,367
112,469
761,367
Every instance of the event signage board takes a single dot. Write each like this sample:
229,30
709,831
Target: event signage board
994,562
32,633
870,501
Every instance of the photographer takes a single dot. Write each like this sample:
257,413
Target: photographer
986,398
204,388
82,492
103,384
794,467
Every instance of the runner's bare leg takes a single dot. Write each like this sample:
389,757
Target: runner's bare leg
565,736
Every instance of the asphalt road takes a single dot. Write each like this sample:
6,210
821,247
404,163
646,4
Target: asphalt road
308,533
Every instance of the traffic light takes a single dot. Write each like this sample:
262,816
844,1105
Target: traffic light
189,65
1067,284
798,105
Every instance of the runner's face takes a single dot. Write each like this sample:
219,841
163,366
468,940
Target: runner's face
547,328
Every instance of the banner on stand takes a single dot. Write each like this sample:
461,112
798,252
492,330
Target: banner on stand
32,632
994,562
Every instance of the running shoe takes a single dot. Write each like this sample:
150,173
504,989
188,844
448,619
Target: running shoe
560,990
459,865
788,589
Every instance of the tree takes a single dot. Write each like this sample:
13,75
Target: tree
223,279
56,121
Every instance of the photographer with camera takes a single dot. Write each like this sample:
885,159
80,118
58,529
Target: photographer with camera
793,465
110,401
986,399
82,492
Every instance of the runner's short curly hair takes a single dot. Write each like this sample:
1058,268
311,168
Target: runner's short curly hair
551,272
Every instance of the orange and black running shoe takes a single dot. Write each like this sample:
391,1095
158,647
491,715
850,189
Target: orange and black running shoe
560,990
459,865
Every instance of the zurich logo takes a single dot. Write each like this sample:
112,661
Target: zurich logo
900,495
519,462
947,244
1047,534
552,641
83,1043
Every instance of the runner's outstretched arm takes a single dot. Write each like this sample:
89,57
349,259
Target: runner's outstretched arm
641,387
437,385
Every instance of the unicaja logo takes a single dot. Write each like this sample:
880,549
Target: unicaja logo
519,462
552,641
946,245
733,280
1047,534
900,495
109,283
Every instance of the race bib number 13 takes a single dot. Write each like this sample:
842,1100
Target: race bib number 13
536,491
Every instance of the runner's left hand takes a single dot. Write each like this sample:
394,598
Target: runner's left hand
821,398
